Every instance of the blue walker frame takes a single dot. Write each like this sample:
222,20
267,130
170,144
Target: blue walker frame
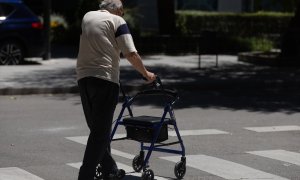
180,167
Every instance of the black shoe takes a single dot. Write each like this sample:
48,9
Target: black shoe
119,174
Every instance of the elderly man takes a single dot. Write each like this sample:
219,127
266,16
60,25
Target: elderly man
104,35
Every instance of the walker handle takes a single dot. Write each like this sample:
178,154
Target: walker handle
157,84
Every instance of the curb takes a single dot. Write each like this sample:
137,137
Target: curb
30,91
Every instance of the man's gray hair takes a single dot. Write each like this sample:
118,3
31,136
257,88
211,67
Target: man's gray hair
111,4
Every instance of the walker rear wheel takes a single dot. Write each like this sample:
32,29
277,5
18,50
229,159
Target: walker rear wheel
180,169
137,163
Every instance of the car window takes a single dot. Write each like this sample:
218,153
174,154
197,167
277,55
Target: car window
5,9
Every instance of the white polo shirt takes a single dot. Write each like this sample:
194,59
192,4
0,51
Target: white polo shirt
104,36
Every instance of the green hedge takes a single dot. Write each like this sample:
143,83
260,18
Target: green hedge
175,45
238,24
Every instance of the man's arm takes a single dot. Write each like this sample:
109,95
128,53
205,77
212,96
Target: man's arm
136,61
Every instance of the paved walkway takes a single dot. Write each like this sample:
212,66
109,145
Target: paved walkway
58,75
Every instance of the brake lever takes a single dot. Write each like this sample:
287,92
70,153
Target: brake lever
157,83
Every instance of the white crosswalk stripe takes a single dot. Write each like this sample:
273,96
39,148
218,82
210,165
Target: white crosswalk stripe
83,140
273,128
281,155
14,173
198,132
78,139
223,168
129,171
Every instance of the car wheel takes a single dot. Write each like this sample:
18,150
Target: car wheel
11,53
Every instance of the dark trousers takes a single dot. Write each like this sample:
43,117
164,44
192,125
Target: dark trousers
99,99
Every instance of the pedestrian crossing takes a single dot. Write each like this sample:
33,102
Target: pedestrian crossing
224,168
216,166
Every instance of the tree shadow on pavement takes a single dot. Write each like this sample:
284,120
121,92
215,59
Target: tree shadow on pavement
256,100
236,87
64,77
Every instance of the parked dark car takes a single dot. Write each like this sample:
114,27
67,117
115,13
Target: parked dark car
21,33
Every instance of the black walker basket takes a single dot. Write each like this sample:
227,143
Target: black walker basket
141,129
152,130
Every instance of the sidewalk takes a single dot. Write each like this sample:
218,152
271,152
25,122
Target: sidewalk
180,72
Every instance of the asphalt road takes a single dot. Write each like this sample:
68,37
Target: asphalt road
43,136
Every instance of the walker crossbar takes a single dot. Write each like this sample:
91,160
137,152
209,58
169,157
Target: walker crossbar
163,150
167,144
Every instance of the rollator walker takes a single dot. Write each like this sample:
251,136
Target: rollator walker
151,131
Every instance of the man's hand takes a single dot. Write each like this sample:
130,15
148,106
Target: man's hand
149,76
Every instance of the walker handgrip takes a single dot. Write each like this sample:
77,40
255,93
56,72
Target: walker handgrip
157,84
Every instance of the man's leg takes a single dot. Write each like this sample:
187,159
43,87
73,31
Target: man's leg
107,163
101,97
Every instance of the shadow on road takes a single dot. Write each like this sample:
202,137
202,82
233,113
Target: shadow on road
262,100
236,87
